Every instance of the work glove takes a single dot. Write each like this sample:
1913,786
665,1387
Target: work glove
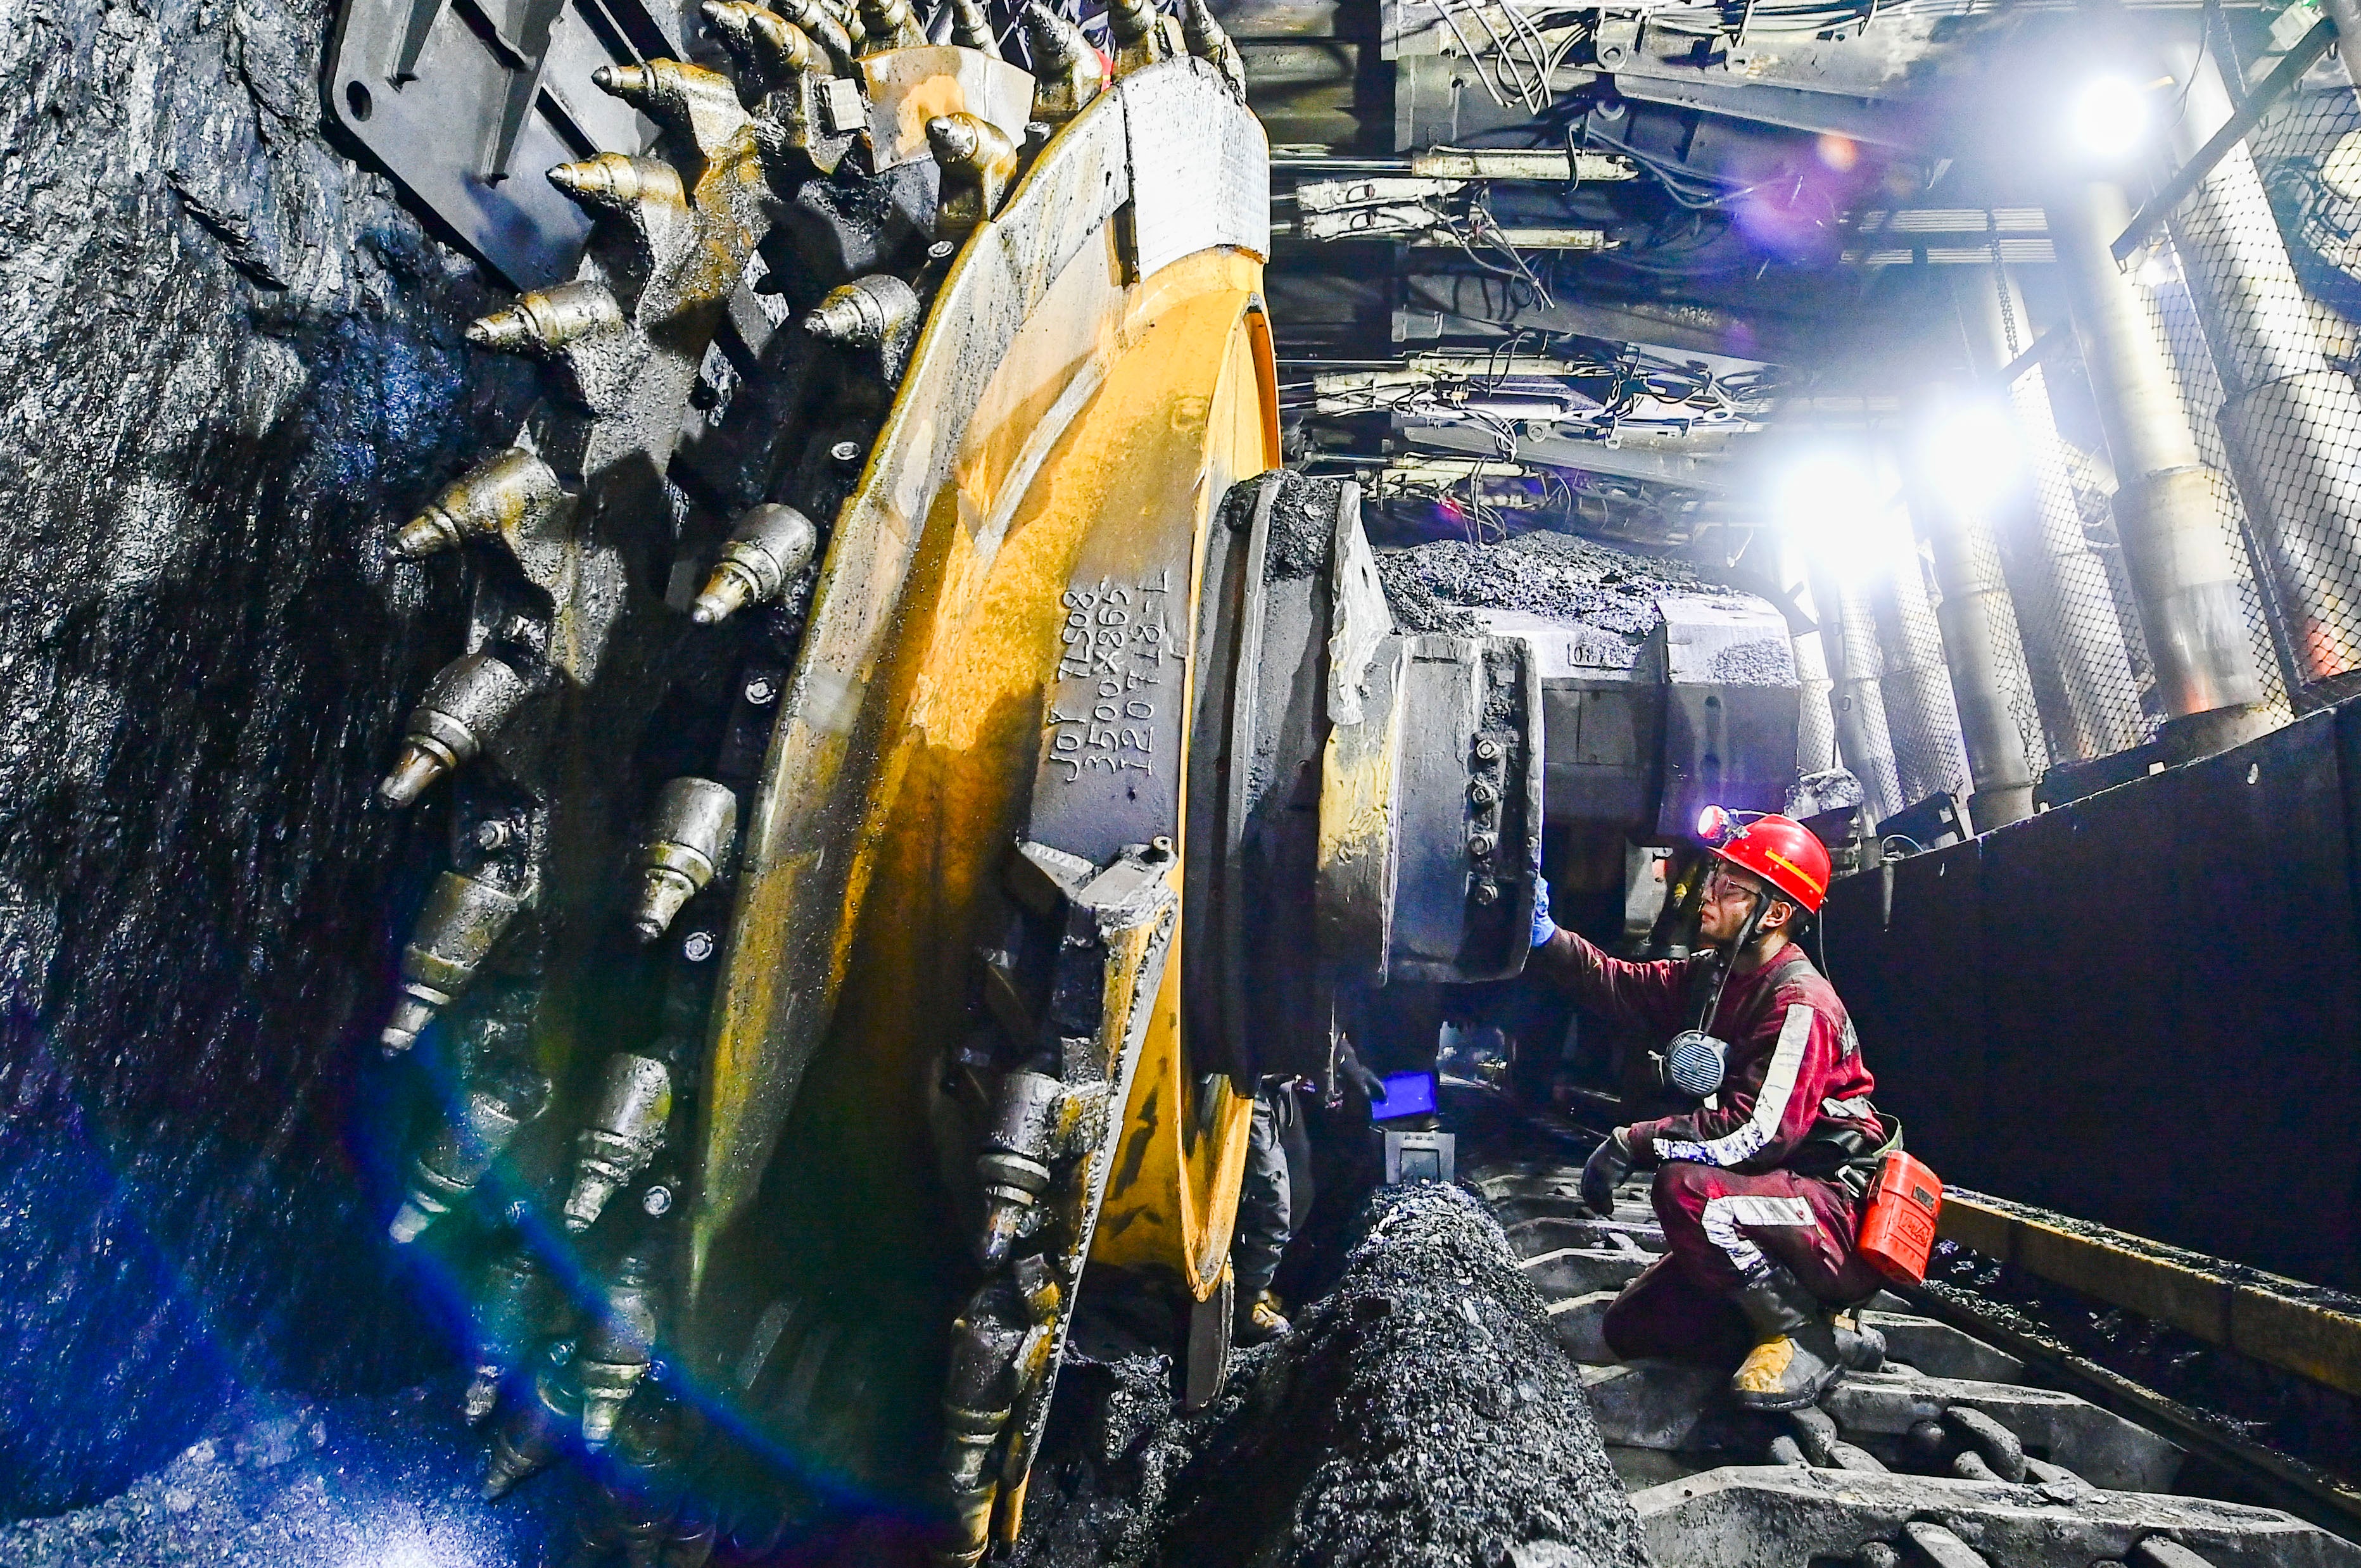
1544,926
1609,1164
1350,1071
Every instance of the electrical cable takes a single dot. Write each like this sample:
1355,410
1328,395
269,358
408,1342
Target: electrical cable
1673,176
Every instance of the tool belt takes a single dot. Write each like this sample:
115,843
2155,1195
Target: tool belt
1847,1156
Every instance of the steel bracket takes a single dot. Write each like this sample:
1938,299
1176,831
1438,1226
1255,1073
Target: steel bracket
466,102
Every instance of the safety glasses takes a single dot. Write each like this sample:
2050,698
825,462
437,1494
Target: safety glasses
1721,882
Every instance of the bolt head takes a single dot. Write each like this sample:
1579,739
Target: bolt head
845,451
697,947
1480,845
762,691
1484,793
492,833
1487,893
940,249
1489,750
657,1199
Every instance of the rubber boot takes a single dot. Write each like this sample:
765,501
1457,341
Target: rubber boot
1860,1348
1260,1321
1795,1359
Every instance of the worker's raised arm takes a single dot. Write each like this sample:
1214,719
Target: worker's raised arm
1650,995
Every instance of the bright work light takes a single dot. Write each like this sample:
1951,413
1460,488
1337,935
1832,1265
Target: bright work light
1828,502
1973,456
2110,118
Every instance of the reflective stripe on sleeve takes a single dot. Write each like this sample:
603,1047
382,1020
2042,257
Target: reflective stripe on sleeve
1770,1105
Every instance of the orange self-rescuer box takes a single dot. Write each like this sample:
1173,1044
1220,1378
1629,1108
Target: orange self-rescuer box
1897,1221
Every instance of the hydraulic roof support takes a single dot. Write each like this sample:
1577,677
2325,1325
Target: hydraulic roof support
2075,660
1849,645
2287,416
2183,576
1922,715
1979,645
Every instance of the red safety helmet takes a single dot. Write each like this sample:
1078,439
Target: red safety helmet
1779,849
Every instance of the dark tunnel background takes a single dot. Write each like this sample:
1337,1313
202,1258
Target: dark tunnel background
231,361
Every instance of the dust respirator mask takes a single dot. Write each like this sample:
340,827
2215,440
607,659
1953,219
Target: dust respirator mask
1693,1064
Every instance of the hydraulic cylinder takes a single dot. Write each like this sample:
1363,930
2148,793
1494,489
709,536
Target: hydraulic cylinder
2075,659
1981,655
1849,644
1922,718
2183,577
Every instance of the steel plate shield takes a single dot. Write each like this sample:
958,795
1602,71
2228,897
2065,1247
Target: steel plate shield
1111,741
1209,188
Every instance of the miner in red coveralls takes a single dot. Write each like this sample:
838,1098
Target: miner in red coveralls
1758,1189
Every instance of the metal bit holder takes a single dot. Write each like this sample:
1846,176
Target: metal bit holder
464,706
971,27
1207,41
689,841
768,547
879,311
1142,35
450,1166
615,1350
1031,1116
890,24
514,1304
464,919
512,494
624,1134
1067,70
536,1431
978,165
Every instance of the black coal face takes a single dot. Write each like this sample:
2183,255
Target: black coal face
1421,1415
232,366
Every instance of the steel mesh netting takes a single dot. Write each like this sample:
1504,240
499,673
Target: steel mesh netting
2269,262
2080,662
1921,713
2172,317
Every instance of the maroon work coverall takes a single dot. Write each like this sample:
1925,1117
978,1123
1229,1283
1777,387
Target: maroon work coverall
1729,1210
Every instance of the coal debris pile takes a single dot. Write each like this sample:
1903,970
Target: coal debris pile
1303,520
282,1484
1554,576
1420,1415
1765,662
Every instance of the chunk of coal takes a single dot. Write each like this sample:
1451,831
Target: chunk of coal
1770,661
1835,790
1303,520
1420,1415
1556,575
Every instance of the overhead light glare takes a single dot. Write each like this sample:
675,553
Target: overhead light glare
1973,456
2110,118
1829,503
